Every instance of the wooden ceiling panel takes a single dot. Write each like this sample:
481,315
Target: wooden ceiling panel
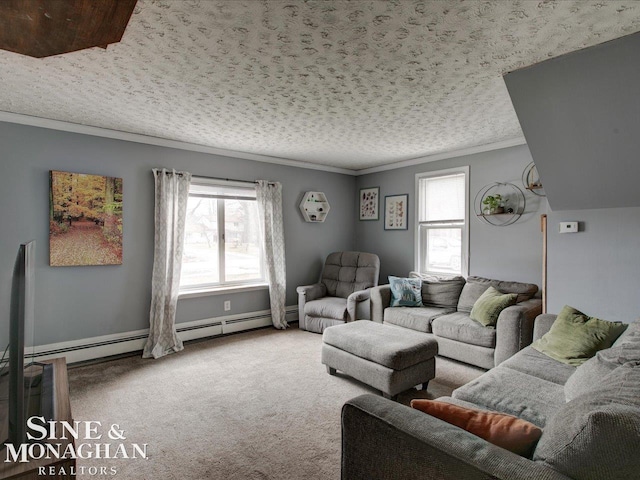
42,28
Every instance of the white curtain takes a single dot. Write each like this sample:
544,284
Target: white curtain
172,193
269,196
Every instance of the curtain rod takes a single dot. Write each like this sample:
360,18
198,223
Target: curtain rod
255,182
220,178
225,179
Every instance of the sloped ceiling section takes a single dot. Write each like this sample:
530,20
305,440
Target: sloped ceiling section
580,114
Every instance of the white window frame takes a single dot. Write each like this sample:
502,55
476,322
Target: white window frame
443,224
224,287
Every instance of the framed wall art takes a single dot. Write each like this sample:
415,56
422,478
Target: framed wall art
369,199
85,219
395,212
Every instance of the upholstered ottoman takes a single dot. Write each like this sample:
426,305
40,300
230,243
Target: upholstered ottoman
389,358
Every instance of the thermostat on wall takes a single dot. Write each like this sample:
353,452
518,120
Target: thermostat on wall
568,227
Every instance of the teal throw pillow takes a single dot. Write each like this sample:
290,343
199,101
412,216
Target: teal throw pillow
575,337
488,307
405,292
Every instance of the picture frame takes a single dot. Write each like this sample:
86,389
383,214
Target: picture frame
369,203
85,219
395,212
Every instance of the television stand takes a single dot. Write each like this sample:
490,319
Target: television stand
55,385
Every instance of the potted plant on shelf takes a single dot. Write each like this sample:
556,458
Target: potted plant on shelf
493,204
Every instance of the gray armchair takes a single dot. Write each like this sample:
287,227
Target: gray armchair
342,294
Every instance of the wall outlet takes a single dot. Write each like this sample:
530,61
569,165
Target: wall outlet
568,227
227,305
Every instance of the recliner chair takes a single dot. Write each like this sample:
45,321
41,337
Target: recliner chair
342,294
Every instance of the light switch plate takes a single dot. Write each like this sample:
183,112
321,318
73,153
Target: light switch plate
568,227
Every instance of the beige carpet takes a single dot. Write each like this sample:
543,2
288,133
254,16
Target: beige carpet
255,405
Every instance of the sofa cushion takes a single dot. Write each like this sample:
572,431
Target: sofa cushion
394,347
532,362
505,431
596,435
458,326
631,334
440,291
405,292
490,304
575,337
327,307
589,375
516,393
414,318
476,286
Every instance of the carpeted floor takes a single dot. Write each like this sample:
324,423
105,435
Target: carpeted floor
255,405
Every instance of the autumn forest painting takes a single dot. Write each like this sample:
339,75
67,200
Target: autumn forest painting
85,219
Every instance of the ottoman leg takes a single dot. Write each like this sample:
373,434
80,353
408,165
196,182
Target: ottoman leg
425,385
390,397
331,371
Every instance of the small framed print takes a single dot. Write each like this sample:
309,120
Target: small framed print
369,199
395,212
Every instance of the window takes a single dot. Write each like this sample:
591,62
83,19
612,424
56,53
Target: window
442,222
222,238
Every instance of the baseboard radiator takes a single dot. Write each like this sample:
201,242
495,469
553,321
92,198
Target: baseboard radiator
108,345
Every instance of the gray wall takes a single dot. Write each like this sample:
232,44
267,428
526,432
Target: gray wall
580,115
596,269
507,253
81,302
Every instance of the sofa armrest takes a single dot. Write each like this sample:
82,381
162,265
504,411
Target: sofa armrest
306,293
359,305
382,439
542,324
380,299
514,329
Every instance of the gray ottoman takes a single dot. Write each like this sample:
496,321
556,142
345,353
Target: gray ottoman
389,358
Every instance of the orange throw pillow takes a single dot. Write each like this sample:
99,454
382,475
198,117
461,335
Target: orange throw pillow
506,431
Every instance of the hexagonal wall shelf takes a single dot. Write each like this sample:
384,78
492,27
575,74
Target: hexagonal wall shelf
314,207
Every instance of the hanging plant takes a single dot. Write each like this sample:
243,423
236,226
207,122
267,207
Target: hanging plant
494,204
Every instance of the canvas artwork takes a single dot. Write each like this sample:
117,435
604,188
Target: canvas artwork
85,219
369,203
395,212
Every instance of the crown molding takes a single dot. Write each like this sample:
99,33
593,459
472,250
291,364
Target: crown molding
161,142
512,142
193,147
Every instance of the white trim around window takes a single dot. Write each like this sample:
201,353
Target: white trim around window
223,228
464,226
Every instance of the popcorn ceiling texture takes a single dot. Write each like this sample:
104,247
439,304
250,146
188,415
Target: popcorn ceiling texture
350,84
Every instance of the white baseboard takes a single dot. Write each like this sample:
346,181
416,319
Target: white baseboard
127,342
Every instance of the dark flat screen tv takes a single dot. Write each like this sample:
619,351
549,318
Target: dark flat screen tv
22,313
22,385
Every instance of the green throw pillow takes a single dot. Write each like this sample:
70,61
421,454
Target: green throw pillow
488,307
405,292
575,337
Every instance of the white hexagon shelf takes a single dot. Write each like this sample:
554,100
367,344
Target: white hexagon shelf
314,207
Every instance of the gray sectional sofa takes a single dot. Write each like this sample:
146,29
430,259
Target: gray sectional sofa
590,416
445,314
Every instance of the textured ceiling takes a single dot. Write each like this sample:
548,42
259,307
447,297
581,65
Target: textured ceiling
351,84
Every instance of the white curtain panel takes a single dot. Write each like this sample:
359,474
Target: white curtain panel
269,196
172,193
